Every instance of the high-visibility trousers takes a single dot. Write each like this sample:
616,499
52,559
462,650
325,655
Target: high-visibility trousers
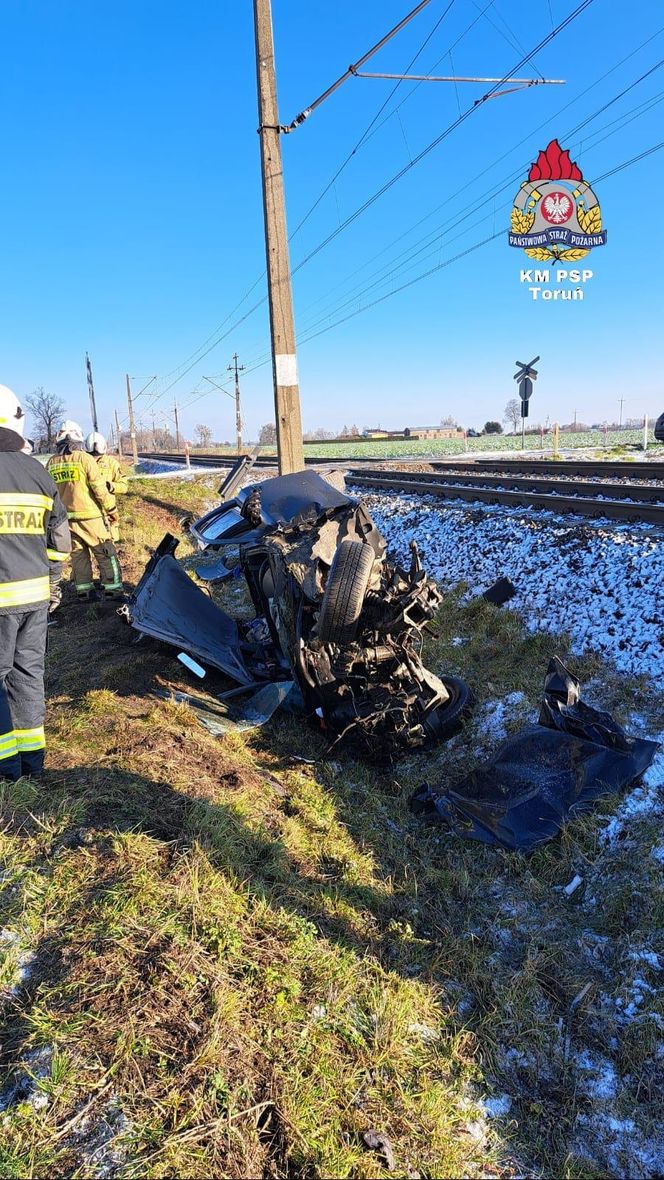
22,707
91,538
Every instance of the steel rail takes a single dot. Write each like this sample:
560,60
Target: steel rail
562,505
643,493
654,470
263,460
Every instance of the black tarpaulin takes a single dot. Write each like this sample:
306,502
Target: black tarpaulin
544,775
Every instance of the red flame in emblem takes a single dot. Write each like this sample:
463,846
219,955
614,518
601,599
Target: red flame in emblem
554,164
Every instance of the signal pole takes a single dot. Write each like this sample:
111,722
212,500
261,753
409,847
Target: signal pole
282,328
117,431
237,369
132,423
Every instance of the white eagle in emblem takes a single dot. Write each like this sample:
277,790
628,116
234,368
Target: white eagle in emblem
558,207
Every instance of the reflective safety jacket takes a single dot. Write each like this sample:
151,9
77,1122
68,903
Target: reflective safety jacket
113,474
33,532
81,485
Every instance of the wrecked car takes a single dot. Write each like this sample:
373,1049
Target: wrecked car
331,613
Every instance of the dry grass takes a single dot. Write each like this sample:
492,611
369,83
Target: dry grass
221,961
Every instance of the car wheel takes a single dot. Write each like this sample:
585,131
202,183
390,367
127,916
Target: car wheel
449,717
345,591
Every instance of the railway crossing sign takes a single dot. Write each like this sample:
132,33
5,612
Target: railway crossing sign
524,377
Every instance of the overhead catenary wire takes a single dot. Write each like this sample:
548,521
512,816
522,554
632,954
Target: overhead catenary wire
496,189
433,238
462,254
365,134
442,136
411,93
299,119
330,184
625,164
215,339
185,367
572,102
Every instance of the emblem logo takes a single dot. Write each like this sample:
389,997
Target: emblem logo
556,214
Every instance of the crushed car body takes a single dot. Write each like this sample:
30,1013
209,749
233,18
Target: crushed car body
331,612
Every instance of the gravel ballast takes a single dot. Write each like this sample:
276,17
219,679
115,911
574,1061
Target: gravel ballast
601,582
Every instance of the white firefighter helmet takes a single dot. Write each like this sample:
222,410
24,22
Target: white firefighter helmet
70,430
11,414
95,443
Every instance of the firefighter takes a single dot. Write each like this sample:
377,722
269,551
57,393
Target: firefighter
111,470
34,542
88,503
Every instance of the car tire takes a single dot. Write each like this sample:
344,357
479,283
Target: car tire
450,716
345,591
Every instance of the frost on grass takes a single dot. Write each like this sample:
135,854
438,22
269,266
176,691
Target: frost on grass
494,716
17,965
645,801
23,1085
99,1140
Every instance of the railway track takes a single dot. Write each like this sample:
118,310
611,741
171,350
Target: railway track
578,467
261,461
599,499
517,482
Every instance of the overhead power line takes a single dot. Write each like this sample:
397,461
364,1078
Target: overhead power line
433,238
443,135
365,134
213,342
498,188
352,69
216,338
462,254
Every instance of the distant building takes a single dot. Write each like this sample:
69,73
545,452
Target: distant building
435,432
414,432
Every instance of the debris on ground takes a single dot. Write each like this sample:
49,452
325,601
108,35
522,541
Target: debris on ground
219,720
331,613
501,592
543,775
378,1142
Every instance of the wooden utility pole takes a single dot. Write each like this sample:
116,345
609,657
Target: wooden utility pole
132,423
237,369
177,426
284,360
117,431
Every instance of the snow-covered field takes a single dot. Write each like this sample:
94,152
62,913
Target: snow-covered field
161,468
601,582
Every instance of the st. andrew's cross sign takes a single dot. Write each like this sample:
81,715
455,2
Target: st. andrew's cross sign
524,377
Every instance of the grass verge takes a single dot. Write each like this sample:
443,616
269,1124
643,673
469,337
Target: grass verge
220,960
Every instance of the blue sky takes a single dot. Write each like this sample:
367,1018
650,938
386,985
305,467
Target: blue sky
132,212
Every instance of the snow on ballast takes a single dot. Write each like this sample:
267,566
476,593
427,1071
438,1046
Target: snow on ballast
601,583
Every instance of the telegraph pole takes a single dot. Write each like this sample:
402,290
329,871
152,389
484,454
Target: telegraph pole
237,369
132,423
117,431
177,426
282,328
91,391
